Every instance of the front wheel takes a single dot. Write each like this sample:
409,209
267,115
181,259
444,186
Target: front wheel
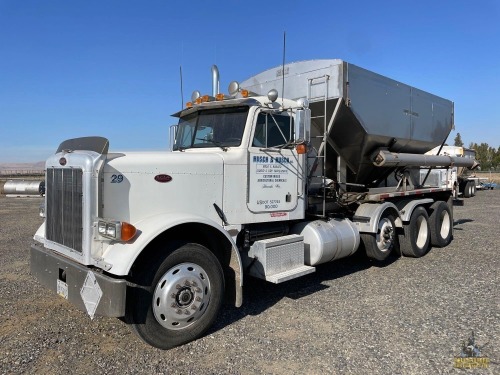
178,298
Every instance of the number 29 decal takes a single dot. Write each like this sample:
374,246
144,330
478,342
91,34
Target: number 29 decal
116,178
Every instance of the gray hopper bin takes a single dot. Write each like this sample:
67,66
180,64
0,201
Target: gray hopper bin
374,112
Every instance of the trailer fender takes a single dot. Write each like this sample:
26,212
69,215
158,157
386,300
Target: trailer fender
406,207
121,256
368,215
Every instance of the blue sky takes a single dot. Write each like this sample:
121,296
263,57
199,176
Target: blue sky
111,68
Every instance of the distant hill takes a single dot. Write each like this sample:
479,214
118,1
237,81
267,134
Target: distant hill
36,166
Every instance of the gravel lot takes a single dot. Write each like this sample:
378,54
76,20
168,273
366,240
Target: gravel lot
405,316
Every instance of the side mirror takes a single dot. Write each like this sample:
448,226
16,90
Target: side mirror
172,136
303,123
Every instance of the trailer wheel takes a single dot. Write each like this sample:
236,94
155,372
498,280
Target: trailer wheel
473,189
416,238
467,189
379,245
177,299
441,224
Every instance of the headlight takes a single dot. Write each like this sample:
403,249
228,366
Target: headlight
111,230
116,230
101,228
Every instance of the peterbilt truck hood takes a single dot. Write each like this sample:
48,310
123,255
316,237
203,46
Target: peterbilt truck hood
137,185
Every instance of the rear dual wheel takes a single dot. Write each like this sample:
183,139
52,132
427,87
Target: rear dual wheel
417,234
469,189
441,224
379,245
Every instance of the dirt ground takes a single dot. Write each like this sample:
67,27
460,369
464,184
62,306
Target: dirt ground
353,316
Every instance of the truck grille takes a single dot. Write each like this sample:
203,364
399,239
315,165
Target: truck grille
64,207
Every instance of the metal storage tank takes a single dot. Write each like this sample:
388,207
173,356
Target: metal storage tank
23,188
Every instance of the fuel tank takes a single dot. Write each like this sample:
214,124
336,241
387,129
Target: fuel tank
326,241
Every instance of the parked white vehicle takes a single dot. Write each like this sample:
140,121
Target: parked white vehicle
460,177
254,184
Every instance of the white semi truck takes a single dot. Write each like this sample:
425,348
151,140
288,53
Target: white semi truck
254,184
460,178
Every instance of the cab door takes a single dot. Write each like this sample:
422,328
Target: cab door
275,172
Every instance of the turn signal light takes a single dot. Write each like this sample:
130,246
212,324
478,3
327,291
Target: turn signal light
128,231
244,93
301,148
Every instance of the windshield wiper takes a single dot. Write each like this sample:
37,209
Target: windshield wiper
278,147
290,142
218,144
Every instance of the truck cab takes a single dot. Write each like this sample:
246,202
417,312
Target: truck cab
261,144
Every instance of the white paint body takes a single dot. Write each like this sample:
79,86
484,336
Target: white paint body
248,184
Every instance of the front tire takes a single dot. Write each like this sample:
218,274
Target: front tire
178,297
416,238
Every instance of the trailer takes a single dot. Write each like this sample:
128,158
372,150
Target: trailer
255,184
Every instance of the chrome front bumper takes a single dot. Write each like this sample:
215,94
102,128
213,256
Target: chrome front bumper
90,291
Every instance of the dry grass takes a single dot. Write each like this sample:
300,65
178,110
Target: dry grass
493,177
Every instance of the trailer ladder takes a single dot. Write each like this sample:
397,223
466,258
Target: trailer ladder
321,154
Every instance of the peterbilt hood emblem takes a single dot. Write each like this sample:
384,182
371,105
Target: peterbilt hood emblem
63,161
163,178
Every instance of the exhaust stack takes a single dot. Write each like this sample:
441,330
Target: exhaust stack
215,80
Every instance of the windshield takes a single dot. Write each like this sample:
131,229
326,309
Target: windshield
222,127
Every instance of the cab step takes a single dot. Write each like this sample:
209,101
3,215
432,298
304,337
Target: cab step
279,259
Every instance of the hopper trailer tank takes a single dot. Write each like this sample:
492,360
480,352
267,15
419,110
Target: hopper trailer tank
256,183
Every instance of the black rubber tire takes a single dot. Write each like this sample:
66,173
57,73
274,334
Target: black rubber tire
473,189
414,242
374,242
140,300
441,224
467,190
